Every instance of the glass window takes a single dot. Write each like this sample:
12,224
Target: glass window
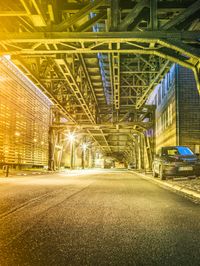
159,96
184,151
155,100
171,152
163,88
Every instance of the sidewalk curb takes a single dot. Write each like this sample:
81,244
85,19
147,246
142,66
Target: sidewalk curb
188,192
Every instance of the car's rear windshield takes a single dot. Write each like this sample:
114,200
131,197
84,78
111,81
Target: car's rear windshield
184,151
178,151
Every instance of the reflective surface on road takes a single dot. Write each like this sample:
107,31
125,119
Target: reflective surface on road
96,217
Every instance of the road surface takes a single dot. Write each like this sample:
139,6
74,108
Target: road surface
96,218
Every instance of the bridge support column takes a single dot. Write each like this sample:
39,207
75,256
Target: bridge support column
139,160
142,150
51,164
196,71
147,153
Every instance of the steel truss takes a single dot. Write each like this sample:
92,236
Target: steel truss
99,60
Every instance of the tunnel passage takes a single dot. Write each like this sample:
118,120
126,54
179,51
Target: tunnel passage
98,62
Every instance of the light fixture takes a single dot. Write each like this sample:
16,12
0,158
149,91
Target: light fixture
17,134
71,137
84,146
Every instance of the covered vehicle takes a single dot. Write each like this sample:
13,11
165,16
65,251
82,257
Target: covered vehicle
175,161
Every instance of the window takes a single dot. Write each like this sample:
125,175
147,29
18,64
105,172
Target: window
184,151
167,83
159,96
155,100
170,114
163,88
170,152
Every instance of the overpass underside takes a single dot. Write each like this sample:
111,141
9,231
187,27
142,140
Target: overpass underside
98,61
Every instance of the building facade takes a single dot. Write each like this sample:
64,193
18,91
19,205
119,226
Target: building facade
177,113
24,119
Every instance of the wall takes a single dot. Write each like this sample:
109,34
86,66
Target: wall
164,98
189,109
24,119
177,115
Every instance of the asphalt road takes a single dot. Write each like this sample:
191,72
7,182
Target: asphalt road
108,218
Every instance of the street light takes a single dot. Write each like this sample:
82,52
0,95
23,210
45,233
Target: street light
71,137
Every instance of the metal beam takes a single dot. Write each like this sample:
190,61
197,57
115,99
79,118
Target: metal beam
79,15
153,25
91,22
160,53
38,83
182,48
13,14
107,37
181,17
116,79
196,71
132,14
71,80
109,126
37,17
105,140
155,81
95,140
114,14
81,57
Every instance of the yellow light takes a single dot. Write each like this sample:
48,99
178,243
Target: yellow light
58,147
84,146
71,137
17,134
7,56
2,78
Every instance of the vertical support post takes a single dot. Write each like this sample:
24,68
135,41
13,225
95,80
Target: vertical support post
114,14
196,71
60,154
142,150
6,170
177,104
147,153
52,144
139,153
83,158
71,155
153,25
116,78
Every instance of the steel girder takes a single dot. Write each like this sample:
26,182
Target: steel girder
58,48
77,88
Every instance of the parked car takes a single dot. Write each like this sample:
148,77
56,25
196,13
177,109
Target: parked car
175,161
131,166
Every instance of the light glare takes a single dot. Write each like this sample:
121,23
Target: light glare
71,137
